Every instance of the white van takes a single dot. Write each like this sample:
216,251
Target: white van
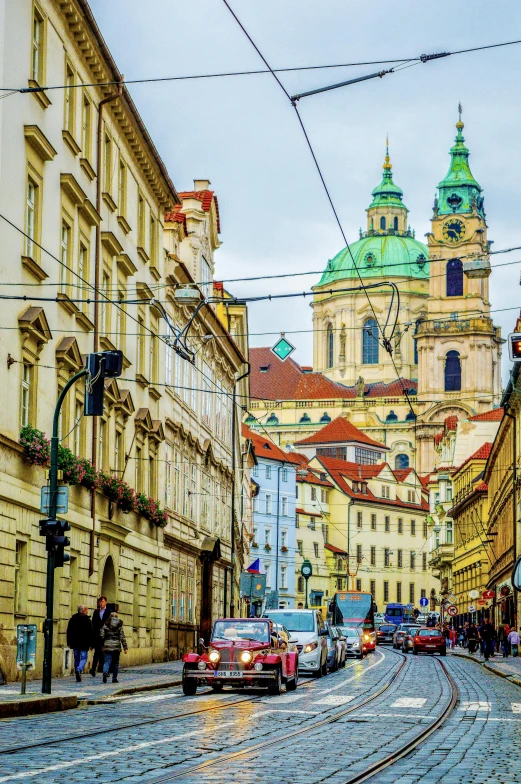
307,627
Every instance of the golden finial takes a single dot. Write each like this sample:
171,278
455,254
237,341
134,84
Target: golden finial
460,124
387,163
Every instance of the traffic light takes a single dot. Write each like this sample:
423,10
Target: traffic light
102,365
56,542
514,346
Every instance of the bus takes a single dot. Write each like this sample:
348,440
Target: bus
398,613
356,610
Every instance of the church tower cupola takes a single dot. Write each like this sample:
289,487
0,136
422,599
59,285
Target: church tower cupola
458,191
387,214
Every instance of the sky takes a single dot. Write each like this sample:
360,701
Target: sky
242,134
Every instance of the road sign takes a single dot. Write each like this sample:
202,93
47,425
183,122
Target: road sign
452,599
474,594
253,585
424,601
481,602
283,348
62,500
487,595
452,610
472,608
409,606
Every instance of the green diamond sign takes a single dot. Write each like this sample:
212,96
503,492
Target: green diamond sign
283,348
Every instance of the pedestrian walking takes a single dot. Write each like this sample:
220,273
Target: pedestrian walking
507,644
80,638
472,638
453,636
100,616
513,639
487,634
113,638
502,639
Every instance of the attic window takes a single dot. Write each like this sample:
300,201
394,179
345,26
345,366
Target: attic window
369,260
266,446
421,261
264,368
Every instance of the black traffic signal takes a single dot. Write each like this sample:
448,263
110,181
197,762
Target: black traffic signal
56,542
514,346
102,365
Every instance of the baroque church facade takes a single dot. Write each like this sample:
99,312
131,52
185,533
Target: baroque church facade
442,358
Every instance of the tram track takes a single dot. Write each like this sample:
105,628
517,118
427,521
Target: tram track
332,717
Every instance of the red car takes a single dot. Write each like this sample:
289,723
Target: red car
429,641
242,652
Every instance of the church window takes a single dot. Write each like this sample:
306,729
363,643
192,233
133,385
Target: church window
396,224
369,260
370,343
452,372
421,261
415,340
455,278
330,346
382,223
401,461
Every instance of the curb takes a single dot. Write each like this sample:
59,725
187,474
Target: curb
511,678
134,690
37,705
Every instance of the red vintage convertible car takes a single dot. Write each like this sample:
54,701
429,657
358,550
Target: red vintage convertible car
242,652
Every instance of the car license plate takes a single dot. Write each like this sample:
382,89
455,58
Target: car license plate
227,674
430,646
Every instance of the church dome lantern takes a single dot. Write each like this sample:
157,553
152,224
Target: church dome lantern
459,192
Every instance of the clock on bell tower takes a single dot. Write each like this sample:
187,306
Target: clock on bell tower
459,347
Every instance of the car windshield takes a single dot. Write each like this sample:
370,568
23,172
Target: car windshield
241,630
345,632
294,621
394,611
387,627
429,633
412,630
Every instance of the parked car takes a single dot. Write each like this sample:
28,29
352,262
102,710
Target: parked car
407,640
401,631
421,619
354,639
342,644
379,618
429,641
384,633
308,628
333,651
242,652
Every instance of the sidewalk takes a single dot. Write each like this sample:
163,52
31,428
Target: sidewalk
508,667
143,677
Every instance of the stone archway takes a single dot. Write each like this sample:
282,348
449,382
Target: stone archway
109,584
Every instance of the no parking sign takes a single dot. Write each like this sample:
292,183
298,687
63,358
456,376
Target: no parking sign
452,610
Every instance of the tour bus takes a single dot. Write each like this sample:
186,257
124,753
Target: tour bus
398,613
355,609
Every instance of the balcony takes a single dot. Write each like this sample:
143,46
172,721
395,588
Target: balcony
441,556
454,326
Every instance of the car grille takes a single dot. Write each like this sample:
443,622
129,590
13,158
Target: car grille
230,659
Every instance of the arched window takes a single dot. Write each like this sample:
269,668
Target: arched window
330,346
382,223
415,341
455,278
401,461
370,343
396,224
452,372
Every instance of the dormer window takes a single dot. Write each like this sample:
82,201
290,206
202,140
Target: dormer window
264,368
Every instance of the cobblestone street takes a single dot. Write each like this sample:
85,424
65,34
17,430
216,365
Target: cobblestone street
330,729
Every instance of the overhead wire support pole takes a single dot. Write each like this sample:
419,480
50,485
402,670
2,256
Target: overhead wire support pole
379,74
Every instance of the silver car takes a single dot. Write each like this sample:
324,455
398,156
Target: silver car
407,641
400,633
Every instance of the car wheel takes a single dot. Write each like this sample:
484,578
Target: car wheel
189,686
275,685
324,667
292,684
360,656
344,661
217,686
443,653
318,673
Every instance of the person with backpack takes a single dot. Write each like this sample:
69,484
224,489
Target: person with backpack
114,640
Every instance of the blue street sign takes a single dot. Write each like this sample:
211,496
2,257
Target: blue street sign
26,645
424,601
62,500
283,348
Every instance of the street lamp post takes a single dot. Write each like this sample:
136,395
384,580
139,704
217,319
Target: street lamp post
306,570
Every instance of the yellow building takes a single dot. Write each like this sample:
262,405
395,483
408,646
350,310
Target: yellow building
472,551
88,196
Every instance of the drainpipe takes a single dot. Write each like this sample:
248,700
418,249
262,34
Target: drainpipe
97,256
232,522
514,494
277,527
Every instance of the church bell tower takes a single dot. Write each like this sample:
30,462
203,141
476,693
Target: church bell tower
459,347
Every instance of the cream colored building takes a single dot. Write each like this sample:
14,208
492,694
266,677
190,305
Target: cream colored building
85,193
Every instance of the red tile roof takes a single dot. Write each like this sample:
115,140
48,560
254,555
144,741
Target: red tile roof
176,215
425,479
264,447
451,423
437,438
481,488
333,549
309,514
495,415
205,197
480,454
288,381
402,473
313,479
339,431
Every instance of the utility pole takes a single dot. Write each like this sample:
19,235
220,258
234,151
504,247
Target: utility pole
53,499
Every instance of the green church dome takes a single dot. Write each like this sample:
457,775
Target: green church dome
380,256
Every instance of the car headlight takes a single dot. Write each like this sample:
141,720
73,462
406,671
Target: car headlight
214,656
201,665
310,647
257,666
367,637
246,657
356,644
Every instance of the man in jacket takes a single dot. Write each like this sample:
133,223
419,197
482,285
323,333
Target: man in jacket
113,638
100,616
486,634
80,638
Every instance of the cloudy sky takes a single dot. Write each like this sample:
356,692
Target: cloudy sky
242,134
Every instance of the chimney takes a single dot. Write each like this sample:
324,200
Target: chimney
201,185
